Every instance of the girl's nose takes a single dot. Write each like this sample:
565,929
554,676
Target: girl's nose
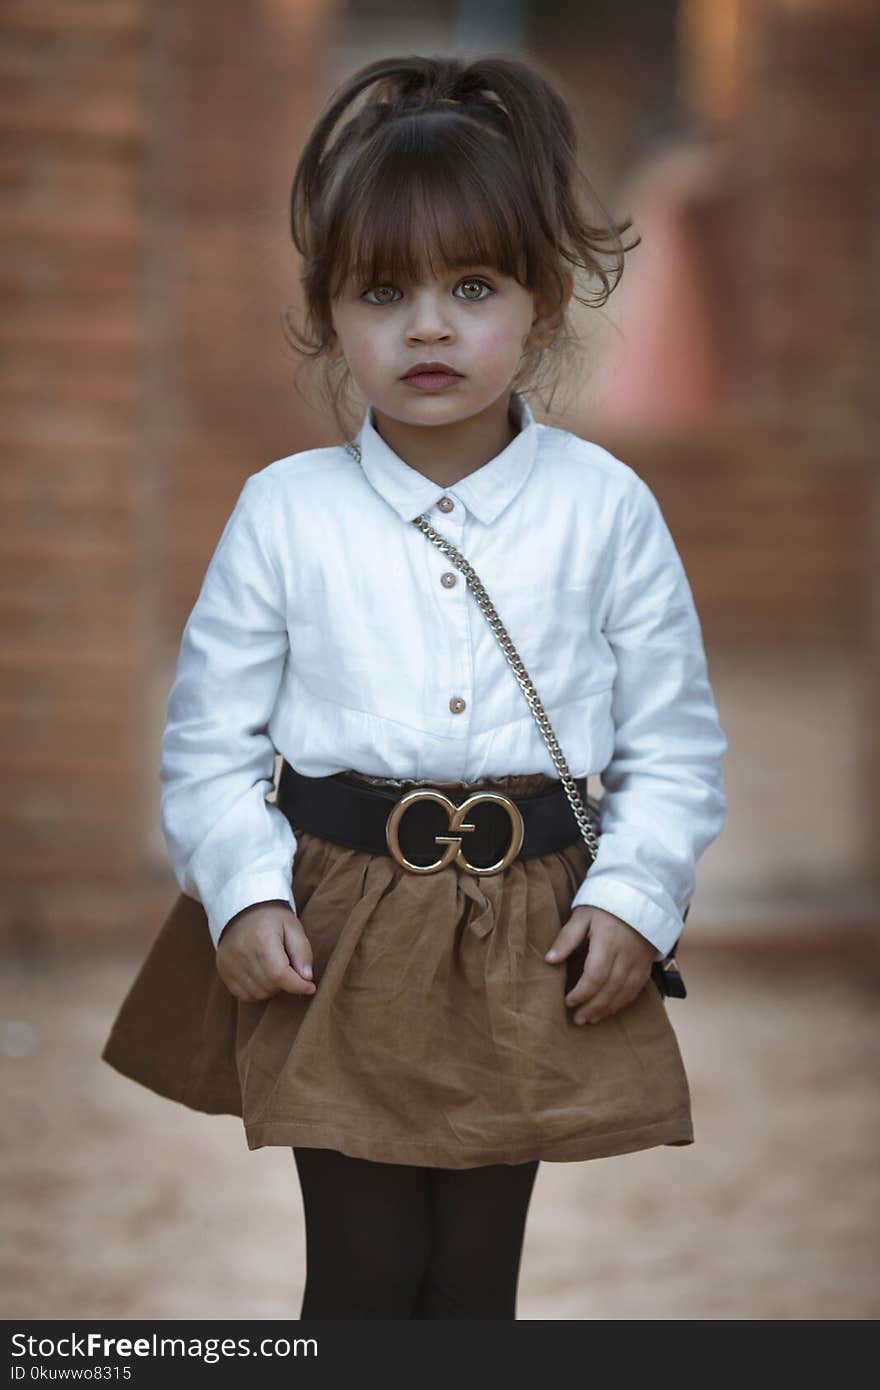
428,323
429,333
428,337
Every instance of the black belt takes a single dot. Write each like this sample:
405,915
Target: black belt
424,828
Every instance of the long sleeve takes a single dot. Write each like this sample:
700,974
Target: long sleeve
664,800
229,847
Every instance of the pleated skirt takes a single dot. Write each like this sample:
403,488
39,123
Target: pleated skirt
437,1035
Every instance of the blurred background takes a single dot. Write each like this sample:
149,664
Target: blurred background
147,152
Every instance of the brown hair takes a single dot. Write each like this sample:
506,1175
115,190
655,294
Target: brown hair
452,163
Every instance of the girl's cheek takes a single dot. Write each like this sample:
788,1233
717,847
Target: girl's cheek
502,331
369,349
499,342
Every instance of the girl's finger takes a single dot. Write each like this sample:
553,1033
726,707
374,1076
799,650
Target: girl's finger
293,983
601,970
276,971
570,937
253,977
298,949
617,994
252,994
244,986
599,1006
283,976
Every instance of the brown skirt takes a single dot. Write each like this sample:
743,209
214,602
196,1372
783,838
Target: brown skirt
437,1034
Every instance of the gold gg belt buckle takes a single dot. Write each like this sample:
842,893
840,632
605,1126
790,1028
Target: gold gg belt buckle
457,823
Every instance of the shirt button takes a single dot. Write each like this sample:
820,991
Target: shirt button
448,579
456,704
446,504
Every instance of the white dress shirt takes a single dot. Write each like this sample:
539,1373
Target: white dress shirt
324,630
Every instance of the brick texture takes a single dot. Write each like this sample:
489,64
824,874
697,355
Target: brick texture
72,115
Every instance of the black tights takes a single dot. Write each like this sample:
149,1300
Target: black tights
387,1240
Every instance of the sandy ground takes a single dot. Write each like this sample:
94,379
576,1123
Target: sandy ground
121,1204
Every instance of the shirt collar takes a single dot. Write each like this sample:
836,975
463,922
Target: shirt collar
485,492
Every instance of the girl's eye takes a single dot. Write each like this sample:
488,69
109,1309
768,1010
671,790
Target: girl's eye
475,284
377,289
384,291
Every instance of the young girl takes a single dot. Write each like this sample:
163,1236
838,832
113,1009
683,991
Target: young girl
388,968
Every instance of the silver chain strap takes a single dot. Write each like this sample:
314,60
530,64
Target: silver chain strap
487,608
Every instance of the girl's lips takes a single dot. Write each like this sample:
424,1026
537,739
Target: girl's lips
431,381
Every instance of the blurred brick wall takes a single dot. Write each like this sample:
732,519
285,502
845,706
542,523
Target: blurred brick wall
771,488
147,154
242,81
73,330
809,141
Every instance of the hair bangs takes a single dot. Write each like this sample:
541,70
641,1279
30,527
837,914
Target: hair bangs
415,213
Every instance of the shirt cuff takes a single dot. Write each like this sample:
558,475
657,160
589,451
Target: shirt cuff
243,891
633,907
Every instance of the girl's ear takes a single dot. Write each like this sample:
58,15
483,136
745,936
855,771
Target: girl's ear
547,319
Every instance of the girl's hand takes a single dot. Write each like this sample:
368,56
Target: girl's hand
263,949
617,967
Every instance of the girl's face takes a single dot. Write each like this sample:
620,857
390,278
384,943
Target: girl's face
474,321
